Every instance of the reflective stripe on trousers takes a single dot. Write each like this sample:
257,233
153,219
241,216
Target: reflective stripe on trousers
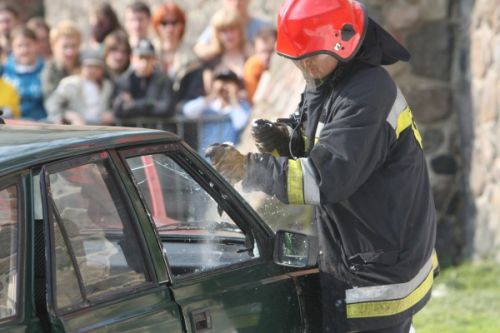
387,300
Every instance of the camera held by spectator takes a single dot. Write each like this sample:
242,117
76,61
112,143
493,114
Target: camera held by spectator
222,100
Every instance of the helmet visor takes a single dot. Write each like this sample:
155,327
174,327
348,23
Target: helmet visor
316,68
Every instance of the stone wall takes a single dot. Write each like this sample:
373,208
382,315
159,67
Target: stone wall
27,8
484,173
198,12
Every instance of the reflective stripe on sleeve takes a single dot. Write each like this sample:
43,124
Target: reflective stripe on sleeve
311,187
386,300
319,129
302,183
405,120
398,107
294,182
400,117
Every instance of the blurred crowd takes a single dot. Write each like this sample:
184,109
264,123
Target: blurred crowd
136,67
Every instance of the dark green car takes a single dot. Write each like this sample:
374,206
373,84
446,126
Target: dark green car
128,230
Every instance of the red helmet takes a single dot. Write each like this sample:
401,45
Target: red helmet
308,27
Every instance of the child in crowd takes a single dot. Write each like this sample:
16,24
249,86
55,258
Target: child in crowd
137,22
42,32
257,64
221,100
9,99
65,39
23,70
117,53
84,98
143,91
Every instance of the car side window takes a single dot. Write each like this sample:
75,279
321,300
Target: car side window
196,233
9,225
96,247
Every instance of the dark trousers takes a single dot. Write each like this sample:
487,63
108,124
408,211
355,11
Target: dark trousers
401,328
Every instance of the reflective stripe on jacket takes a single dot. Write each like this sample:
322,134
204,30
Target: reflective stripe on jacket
302,182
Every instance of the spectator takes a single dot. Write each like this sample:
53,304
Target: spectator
223,100
83,98
176,59
103,21
9,99
9,19
143,91
229,42
117,53
204,46
65,39
137,22
42,32
259,62
23,70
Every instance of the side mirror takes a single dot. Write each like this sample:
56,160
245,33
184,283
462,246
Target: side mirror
295,249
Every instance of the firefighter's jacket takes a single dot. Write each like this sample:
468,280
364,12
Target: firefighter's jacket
364,169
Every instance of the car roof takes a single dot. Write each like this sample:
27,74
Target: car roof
26,145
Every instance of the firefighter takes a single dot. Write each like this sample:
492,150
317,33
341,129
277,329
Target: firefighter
353,150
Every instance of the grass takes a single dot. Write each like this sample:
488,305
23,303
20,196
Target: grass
465,299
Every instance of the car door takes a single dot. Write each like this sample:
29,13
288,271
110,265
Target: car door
102,269
219,254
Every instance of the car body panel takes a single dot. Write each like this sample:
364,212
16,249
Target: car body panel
149,311
253,298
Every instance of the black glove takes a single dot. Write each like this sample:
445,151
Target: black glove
271,137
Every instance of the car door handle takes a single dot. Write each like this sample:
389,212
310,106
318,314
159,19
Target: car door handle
202,321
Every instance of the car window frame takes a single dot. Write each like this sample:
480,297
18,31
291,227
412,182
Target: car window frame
17,180
64,164
239,211
155,249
